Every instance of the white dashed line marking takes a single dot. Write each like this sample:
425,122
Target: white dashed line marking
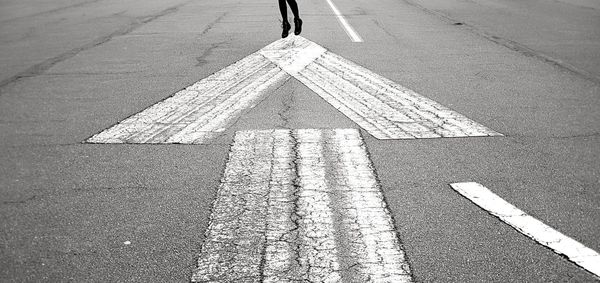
309,202
204,110
347,27
531,227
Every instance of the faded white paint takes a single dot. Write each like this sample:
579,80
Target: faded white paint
202,111
531,227
347,27
293,55
365,214
309,202
318,250
281,250
383,108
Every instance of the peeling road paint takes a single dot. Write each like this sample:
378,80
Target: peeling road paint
300,205
576,252
383,108
201,111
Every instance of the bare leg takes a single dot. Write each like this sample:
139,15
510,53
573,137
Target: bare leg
285,24
283,10
294,7
297,20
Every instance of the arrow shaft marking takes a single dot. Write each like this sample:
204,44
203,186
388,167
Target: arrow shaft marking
307,200
383,108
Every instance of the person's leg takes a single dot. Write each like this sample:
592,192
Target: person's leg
283,10
297,20
284,22
294,7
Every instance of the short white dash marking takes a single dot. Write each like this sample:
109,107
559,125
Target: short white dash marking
531,227
347,27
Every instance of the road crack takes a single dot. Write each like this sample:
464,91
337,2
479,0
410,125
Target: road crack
288,103
42,67
510,44
201,60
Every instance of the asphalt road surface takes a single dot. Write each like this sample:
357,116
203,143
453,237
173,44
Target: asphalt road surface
79,209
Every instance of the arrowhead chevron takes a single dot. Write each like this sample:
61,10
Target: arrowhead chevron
293,54
201,111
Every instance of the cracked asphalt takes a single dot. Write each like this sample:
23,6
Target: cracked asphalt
307,203
72,68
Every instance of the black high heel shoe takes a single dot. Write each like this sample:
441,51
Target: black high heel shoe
297,26
286,29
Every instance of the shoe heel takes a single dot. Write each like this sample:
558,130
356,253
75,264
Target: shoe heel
297,26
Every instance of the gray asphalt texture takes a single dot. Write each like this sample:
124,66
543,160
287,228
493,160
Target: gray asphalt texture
71,68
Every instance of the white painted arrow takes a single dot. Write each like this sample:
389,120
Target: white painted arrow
383,108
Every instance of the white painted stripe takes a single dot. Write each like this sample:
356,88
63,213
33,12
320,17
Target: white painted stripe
295,55
531,227
383,108
300,205
236,234
347,27
280,252
238,100
365,213
201,111
318,250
